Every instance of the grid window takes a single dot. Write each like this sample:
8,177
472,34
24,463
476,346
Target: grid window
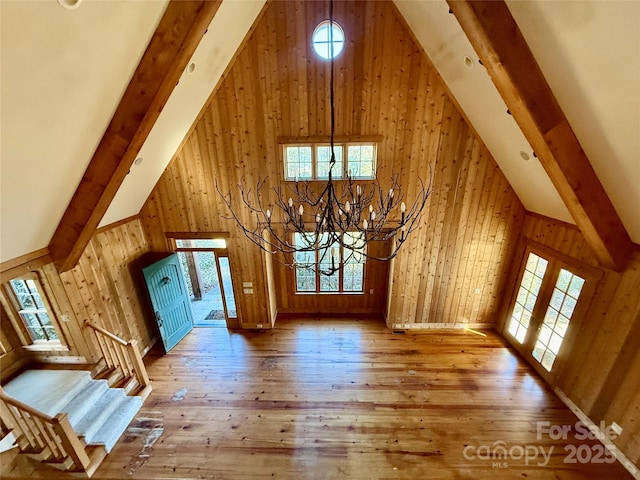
328,258
299,163
305,262
311,264
324,159
361,161
556,320
201,243
312,161
33,311
353,271
527,296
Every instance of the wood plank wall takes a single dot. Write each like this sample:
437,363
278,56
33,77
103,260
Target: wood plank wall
385,85
106,286
12,358
601,374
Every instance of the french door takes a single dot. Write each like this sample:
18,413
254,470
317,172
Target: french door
547,307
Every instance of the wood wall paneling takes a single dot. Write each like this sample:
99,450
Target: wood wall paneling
105,286
385,86
12,357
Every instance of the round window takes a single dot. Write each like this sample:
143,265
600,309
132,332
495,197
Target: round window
328,39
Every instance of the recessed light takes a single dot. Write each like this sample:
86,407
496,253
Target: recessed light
70,4
468,61
524,155
191,67
138,161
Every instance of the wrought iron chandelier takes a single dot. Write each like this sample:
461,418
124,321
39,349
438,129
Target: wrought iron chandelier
340,216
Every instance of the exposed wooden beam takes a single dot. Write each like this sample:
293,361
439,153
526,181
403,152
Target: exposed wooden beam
170,49
505,54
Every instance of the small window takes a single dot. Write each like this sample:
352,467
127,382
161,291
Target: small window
312,161
31,315
201,243
328,39
299,162
324,161
361,161
310,264
32,310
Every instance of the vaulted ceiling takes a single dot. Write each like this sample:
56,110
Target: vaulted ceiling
65,71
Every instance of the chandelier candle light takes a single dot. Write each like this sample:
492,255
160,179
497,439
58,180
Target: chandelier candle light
341,214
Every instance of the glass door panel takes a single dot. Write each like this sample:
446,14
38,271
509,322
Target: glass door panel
227,287
527,296
556,320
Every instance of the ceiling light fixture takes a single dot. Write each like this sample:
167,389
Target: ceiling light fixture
70,4
327,218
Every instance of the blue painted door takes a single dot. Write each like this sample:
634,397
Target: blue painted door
169,299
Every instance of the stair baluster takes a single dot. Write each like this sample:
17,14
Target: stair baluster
122,356
51,438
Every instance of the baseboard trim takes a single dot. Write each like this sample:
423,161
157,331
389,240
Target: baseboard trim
609,445
441,326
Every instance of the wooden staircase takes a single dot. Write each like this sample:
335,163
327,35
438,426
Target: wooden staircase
70,420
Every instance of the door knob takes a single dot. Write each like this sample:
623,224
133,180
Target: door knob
159,319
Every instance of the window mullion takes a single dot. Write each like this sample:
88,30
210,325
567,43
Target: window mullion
345,161
314,161
317,270
544,296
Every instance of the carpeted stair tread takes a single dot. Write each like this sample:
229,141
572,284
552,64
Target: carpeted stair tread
48,390
84,401
90,423
97,413
116,424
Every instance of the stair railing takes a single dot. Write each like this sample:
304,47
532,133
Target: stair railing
120,354
39,433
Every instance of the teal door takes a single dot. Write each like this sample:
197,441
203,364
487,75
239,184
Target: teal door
169,299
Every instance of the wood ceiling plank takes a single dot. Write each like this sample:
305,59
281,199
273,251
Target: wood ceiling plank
170,49
518,78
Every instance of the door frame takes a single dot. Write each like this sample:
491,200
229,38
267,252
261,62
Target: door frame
172,237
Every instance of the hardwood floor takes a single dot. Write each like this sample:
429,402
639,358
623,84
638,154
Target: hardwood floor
337,399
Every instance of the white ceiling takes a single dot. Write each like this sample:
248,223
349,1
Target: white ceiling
227,30
63,72
589,52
